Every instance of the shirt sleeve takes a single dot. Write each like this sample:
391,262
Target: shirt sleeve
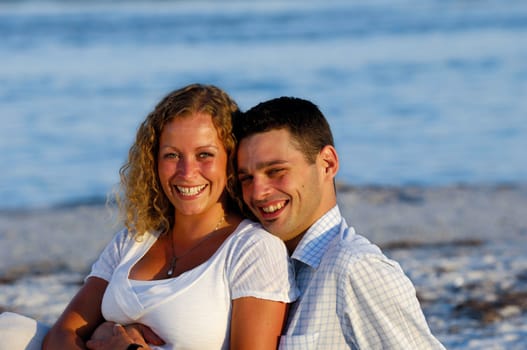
110,257
378,308
259,267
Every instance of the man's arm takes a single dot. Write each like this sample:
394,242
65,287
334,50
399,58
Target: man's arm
378,308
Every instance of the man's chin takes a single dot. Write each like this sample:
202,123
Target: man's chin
268,225
275,228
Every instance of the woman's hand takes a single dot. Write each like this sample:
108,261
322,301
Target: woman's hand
109,335
118,339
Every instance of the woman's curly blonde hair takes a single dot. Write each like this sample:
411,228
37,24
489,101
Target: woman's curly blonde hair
142,202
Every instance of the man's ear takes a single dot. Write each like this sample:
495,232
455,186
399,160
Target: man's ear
330,160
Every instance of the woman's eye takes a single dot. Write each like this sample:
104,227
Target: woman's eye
204,155
170,155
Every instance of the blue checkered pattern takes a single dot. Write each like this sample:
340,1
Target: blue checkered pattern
351,295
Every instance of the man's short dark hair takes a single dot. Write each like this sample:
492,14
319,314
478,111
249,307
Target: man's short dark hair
308,127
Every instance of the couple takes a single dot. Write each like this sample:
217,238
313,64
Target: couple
190,272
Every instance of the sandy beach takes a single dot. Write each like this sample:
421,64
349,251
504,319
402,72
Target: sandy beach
463,247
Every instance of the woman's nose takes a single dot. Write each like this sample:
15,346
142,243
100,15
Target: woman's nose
186,167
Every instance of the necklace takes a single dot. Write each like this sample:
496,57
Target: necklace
203,240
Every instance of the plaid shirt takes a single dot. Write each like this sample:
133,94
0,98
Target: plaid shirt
351,295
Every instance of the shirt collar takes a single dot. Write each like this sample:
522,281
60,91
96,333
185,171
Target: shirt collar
316,239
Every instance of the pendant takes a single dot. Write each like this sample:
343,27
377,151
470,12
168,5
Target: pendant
170,271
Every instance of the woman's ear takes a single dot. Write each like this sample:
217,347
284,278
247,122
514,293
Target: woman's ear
330,160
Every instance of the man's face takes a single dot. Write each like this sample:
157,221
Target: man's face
280,187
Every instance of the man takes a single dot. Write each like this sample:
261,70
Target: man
351,295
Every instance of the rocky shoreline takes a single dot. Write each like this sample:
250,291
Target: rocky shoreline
463,247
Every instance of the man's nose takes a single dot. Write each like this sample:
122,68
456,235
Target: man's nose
260,188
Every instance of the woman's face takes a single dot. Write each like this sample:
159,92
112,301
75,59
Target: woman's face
192,164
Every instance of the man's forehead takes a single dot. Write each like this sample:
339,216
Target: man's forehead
279,138
260,151
267,143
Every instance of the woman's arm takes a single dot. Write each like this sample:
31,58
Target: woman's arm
256,324
79,319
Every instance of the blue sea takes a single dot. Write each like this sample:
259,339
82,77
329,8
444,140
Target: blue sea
427,93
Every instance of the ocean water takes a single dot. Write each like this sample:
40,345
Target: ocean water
429,93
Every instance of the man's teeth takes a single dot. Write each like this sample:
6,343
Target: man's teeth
190,191
273,208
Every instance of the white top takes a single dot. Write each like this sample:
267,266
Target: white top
192,310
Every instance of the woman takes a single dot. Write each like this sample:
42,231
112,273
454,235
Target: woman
187,265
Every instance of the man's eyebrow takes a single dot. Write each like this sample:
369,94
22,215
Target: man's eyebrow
271,163
263,165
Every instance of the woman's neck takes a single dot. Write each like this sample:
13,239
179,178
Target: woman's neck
188,228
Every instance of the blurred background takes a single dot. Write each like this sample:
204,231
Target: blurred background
417,92
426,99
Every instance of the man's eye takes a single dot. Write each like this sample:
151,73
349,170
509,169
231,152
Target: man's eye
275,171
244,179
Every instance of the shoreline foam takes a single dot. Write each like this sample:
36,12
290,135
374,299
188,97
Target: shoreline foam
70,237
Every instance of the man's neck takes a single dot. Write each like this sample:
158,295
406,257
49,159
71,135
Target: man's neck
293,243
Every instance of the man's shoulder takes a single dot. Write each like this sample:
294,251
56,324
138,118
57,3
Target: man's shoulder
353,244
349,249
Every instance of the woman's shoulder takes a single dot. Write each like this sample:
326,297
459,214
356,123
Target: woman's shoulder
246,225
249,228
125,238
250,232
